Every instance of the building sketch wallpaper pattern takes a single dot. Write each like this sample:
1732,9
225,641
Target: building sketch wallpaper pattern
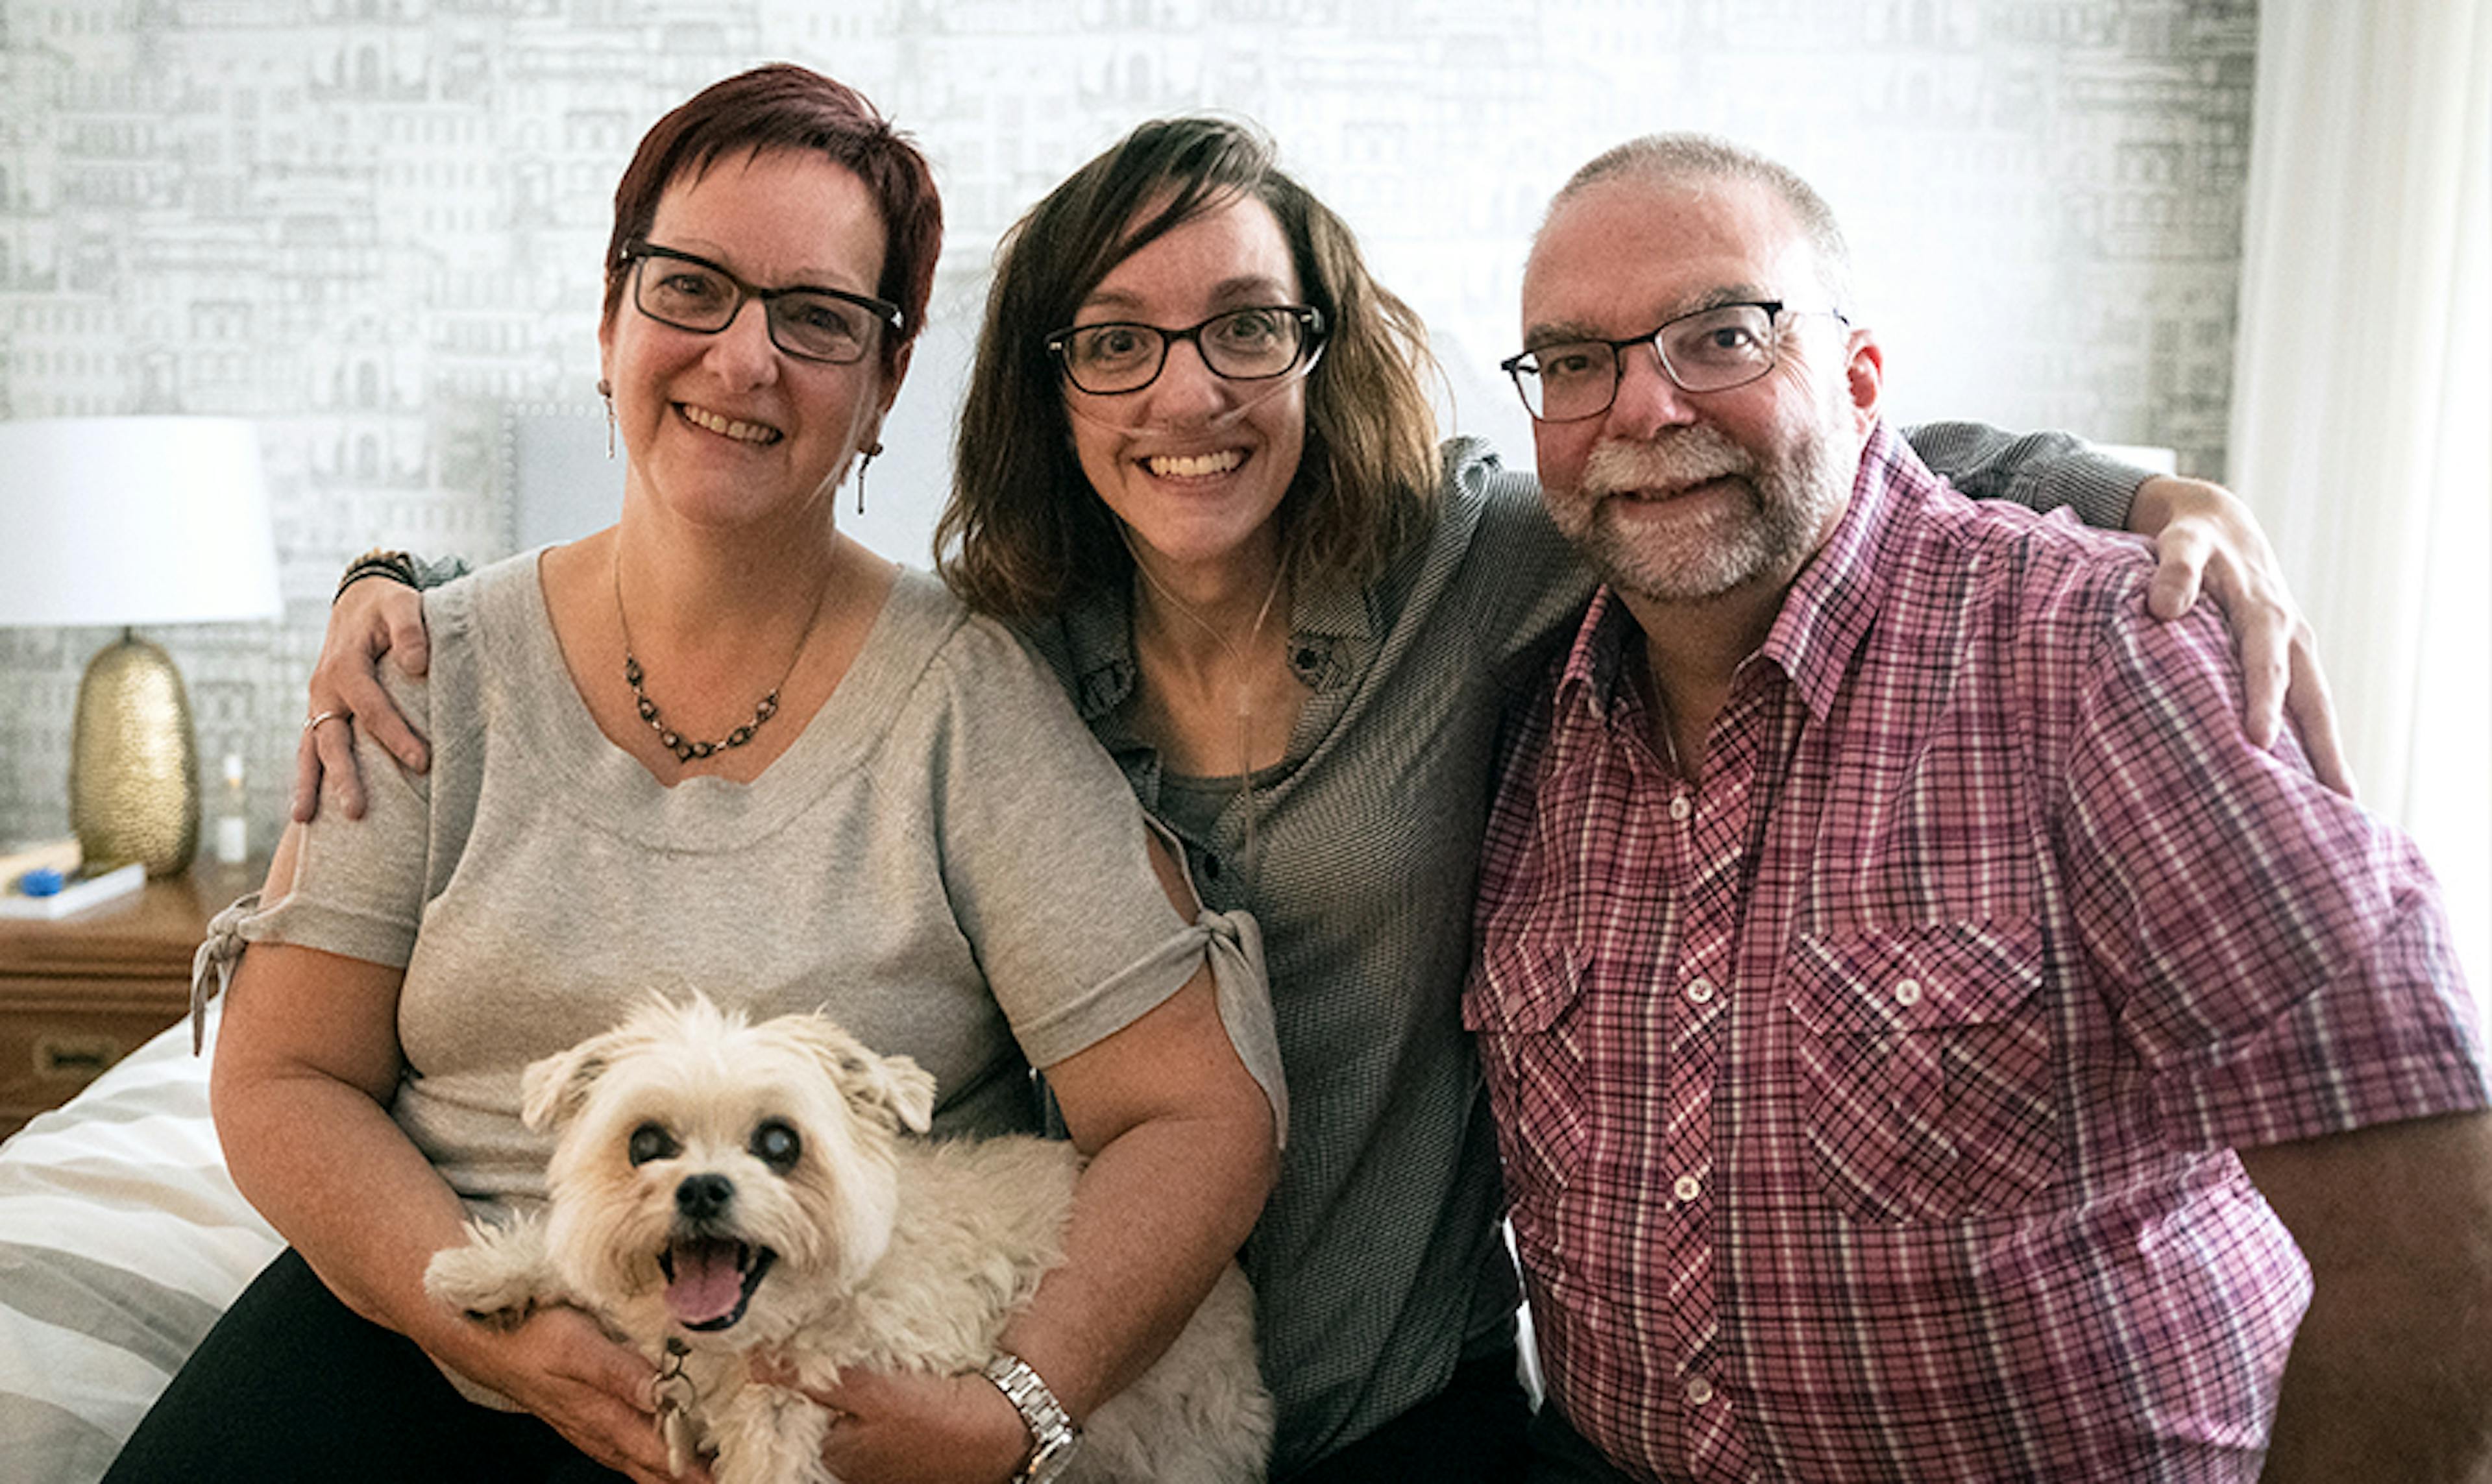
373,225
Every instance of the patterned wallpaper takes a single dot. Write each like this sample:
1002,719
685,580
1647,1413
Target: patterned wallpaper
373,225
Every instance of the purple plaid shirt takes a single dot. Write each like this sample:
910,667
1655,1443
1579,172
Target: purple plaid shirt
1867,1113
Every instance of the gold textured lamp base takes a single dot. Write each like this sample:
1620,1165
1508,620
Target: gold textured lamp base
133,762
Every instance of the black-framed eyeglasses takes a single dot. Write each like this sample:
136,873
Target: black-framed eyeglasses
1711,350
811,324
1247,345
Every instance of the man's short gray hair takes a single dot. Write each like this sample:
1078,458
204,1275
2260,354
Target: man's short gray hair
1673,158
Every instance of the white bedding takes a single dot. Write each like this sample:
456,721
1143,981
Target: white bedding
121,1240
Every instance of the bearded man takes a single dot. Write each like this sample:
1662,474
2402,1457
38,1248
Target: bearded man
1928,1041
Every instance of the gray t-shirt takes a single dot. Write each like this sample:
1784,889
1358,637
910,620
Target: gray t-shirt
944,860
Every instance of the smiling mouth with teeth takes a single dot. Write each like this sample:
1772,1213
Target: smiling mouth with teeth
1664,493
1194,465
711,1280
729,427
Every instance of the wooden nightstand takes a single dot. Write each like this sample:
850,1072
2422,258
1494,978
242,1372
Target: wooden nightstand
79,994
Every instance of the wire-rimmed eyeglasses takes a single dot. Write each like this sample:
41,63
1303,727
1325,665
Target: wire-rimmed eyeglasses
1250,344
811,324
1711,350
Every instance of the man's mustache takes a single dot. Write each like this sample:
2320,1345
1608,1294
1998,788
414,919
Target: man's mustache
1689,455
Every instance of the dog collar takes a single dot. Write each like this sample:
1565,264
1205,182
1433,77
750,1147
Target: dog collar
1054,1439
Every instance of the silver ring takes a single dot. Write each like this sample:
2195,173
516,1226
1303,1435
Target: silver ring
325,716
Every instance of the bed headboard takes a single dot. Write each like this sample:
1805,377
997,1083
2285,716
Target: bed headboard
562,484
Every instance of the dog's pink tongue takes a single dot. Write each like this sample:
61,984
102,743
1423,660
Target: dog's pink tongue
708,1284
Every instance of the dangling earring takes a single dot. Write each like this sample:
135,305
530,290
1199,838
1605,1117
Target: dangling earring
606,388
863,460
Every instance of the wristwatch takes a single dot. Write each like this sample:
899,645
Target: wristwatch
396,566
1054,1439
400,567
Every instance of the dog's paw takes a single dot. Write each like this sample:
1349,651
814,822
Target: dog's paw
472,1281
497,1278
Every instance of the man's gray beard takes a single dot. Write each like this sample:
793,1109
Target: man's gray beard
1790,499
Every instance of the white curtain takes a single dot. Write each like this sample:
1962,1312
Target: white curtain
2362,421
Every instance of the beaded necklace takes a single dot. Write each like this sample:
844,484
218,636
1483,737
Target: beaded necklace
686,751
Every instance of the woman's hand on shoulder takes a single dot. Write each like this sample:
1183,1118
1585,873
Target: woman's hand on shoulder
598,1393
371,618
913,1429
2205,537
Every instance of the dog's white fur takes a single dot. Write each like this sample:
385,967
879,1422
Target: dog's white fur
890,1253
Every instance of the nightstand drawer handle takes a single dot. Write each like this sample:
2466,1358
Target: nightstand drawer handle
75,1058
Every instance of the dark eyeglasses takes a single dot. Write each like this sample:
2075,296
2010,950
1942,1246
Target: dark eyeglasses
811,324
1711,350
1248,344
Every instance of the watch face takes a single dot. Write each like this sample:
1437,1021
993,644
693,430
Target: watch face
1052,1456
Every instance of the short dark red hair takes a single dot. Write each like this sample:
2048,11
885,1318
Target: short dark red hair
785,106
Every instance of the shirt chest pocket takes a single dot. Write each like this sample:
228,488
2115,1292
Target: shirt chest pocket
1925,1068
1525,1004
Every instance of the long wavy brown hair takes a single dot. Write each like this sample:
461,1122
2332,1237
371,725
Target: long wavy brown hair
1024,534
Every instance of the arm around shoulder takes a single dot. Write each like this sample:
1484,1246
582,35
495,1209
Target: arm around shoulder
2039,470
2206,536
378,610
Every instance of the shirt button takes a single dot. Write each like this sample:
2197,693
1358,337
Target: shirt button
1680,808
1687,1188
1909,993
1700,990
1698,1391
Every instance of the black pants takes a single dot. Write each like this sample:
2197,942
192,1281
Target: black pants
1559,1455
1471,1431
291,1385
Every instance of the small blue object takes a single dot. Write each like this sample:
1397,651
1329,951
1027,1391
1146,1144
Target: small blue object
41,882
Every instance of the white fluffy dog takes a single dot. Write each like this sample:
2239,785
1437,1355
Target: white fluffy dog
718,1186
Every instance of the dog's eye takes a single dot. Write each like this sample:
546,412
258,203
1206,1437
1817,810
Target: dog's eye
650,1141
777,1146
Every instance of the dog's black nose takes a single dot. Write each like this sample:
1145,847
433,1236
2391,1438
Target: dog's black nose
703,1196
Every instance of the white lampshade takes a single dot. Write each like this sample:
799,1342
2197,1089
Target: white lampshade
134,520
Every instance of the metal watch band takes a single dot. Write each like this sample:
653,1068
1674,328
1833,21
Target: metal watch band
1054,1439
